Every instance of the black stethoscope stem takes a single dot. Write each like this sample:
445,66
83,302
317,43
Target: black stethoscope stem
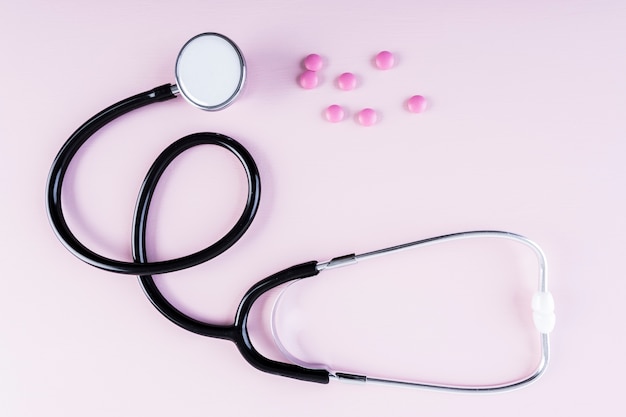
82,134
238,331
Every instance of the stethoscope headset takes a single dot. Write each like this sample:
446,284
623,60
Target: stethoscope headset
210,74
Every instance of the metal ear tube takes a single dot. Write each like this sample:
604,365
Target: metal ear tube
542,309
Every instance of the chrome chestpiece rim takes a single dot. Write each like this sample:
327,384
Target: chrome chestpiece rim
210,71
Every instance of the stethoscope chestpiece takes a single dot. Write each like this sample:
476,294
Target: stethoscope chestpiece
210,71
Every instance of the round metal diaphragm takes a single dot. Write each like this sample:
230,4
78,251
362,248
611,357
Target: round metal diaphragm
210,71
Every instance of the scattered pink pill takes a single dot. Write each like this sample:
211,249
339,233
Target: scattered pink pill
384,60
313,62
416,104
308,80
334,113
367,117
346,81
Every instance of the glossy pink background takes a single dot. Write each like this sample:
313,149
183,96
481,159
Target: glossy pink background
524,132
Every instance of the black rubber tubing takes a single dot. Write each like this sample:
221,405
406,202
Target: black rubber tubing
238,332
83,133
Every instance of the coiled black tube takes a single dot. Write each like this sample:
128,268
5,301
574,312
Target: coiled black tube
237,332
83,133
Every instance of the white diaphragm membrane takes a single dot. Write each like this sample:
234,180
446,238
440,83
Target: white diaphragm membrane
210,71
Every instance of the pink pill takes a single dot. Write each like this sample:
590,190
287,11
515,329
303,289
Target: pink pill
313,62
308,80
384,60
334,113
416,104
367,117
346,81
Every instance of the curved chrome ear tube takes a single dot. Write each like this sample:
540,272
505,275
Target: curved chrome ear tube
542,308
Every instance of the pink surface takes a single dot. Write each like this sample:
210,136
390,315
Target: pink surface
509,141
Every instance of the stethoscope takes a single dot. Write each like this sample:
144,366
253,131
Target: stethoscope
210,74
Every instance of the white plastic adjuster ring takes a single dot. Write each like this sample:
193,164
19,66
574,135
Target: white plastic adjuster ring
543,311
